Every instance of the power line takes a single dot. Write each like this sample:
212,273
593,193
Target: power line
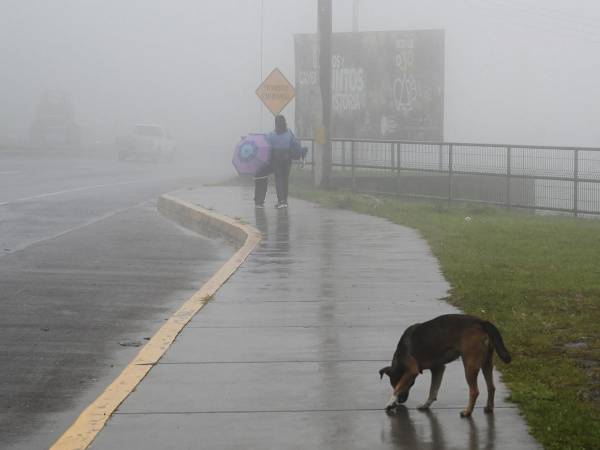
557,24
554,14
549,26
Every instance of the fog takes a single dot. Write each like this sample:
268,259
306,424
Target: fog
94,257
517,71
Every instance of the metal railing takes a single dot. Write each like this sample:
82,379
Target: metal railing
544,178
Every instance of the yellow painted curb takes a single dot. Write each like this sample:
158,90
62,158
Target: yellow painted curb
91,421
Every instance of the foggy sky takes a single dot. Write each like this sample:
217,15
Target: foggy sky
517,71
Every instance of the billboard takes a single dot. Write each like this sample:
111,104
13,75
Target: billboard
386,85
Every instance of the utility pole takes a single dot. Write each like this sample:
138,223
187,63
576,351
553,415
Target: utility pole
260,61
323,138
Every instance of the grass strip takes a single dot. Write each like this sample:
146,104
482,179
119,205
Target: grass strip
536,277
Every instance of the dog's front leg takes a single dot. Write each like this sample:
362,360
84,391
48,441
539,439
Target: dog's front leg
404,384
436,380
391,404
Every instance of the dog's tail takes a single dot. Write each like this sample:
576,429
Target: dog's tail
494,334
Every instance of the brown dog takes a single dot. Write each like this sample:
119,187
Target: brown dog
430,345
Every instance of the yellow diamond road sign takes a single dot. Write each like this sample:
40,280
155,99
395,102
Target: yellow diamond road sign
275,92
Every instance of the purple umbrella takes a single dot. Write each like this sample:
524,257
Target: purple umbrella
252,153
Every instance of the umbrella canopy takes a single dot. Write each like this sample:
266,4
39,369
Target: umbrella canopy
252,154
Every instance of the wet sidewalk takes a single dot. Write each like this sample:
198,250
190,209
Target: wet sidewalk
286,355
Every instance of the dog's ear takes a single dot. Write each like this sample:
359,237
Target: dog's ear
385,370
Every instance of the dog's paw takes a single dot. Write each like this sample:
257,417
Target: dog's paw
465,414
392,412
423,407
488,410
391,405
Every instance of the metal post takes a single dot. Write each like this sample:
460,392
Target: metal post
352,161
508,175
575,182
399,157
450,172
398,166
344,155
355,16
392,156
261,61
312,161
324,27
440,157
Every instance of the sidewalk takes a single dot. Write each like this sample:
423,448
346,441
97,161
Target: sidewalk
286,355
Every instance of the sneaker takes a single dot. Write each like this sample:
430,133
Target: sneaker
284,205
259,206
279,205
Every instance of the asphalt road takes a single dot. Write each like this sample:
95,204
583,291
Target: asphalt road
88,270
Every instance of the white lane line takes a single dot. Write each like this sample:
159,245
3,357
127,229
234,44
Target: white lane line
67,191
9,172
87,223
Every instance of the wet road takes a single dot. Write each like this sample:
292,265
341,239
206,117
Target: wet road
286,355
88,270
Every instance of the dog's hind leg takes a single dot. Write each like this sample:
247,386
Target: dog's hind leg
487,370
471,371
437,374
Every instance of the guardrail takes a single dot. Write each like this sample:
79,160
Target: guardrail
545,178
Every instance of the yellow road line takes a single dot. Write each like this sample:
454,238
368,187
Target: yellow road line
91,421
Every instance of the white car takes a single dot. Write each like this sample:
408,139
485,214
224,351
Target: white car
147,142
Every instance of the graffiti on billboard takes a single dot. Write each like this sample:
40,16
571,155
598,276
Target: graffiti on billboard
385,85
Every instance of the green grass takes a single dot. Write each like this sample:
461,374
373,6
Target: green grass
538,279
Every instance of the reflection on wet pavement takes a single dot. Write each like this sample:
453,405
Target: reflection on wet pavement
407,433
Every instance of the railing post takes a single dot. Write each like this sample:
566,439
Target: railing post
398,166
392,156
312,160
508,175
399,156
440,157
450,172
352,161
575,182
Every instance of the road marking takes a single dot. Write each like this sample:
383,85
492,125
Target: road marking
91,421
9,172
108,215
67,191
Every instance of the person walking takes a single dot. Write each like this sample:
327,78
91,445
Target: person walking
282,141
261,181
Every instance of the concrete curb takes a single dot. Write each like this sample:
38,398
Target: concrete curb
91,421
204,221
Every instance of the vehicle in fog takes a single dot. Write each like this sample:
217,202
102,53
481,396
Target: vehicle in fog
147,142
54,125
